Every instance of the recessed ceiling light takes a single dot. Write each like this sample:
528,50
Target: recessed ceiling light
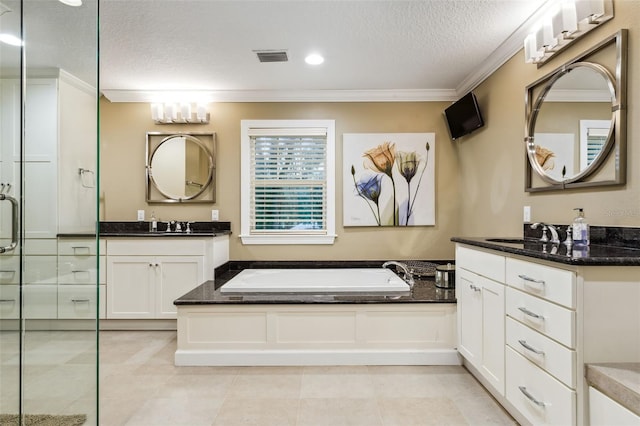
71,2
10,39
314,59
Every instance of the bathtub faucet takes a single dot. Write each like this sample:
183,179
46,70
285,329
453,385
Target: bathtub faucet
407,275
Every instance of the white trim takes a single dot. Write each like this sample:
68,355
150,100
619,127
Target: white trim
511,46
400,95
245,182
261,357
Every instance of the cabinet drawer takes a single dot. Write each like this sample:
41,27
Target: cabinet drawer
40,246
482,263
9,269
41,269
81,247
551,320
9,301
80,301
539,397
158,246
556,285
40,301
556,359
81,270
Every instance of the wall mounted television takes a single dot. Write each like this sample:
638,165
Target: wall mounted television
463,116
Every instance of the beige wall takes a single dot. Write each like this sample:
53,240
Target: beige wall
491,161
479,178
123,128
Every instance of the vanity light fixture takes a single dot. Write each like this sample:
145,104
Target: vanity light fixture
173,113
562,24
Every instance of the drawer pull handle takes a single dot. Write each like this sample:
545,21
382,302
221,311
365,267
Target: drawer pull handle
7,272
7,300
531,314
531,280
81,300
530,348
531,397
86,250
474,288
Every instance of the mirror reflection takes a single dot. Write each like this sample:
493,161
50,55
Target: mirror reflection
180,167
572,130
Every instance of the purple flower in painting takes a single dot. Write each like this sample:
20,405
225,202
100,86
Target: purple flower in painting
370,187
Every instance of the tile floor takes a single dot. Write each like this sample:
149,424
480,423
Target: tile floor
139,385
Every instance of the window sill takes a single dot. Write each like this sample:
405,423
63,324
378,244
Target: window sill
287,239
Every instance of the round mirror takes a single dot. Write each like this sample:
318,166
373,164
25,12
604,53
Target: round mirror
181,167
571,127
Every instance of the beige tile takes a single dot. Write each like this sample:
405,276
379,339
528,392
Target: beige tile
483,410
192,386
337,386
117,411
265,386
336,369
407,385
420,412
338,412
176,411
270,370
258,412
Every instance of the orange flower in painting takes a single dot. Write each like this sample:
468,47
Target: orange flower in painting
381,158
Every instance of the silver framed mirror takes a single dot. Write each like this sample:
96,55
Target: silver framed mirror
180,167
576,121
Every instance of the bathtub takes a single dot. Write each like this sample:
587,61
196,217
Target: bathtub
346,280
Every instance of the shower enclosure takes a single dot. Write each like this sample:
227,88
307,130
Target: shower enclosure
50,300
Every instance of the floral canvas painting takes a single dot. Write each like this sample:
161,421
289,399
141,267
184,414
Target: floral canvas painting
388,179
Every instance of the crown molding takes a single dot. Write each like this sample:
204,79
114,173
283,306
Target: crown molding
511,46
406,95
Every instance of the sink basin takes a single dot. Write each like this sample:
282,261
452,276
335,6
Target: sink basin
506,240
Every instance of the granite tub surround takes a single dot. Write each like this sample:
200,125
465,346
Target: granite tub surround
424,290
619,381
142,229
610,246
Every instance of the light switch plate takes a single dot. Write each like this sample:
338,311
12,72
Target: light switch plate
141,215
527,214
215,215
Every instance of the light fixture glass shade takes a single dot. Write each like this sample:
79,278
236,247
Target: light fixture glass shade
185,110
201,113
170,111
564,22
589,9
157,112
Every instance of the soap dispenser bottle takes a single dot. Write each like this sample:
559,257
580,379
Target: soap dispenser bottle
580,229
154,222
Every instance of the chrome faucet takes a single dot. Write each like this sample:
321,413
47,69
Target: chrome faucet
554,232
407,275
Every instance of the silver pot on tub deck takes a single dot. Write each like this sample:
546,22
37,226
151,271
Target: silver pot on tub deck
446,276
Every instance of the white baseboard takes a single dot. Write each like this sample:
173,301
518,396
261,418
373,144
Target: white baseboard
316,357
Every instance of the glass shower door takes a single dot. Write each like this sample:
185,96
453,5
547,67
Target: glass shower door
48,150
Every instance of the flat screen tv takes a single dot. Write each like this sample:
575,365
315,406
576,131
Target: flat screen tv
463,116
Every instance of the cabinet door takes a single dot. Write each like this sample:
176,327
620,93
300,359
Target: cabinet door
469,295
130,292
175,276
493,324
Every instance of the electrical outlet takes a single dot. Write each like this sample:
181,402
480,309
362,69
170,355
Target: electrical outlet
215,215
527,214
140,215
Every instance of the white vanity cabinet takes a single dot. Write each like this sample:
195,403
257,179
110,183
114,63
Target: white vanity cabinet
145,275
481,322
556,319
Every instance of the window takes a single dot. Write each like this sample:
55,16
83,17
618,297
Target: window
287,182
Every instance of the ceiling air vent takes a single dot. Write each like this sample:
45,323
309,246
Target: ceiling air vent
272,55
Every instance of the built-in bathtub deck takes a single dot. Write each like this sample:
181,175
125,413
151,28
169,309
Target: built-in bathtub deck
316,329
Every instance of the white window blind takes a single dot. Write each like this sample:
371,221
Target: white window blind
289,183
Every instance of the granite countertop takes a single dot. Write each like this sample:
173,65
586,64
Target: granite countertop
595,254
141,230
619,381
208,293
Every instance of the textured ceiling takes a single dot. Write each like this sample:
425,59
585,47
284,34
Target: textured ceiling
208,45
